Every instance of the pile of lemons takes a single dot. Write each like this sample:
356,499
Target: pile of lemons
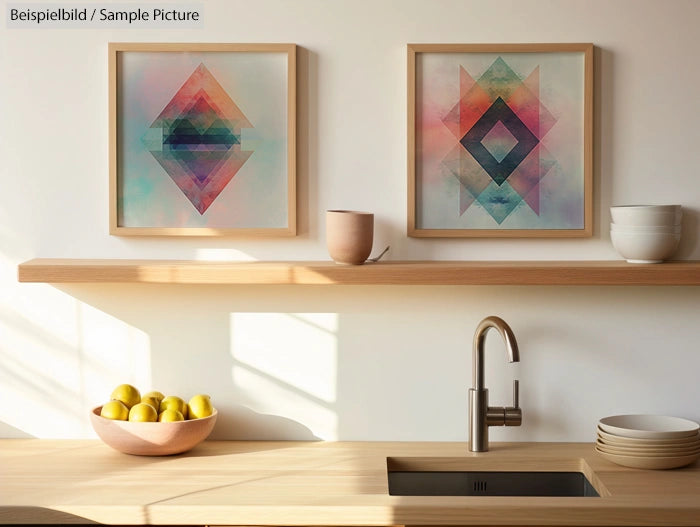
127,404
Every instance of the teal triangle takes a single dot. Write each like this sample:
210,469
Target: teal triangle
153,139
499,202
499,80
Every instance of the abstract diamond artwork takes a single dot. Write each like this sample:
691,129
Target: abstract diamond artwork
499,121
203,139
198,139
499,141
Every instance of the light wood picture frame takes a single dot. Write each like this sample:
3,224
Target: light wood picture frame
202,139
500,140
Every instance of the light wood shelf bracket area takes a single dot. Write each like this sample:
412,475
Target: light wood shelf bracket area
52,270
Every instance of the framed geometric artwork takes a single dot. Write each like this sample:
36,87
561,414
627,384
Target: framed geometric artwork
500,140
202,139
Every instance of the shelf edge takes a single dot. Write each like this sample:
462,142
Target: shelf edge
49,270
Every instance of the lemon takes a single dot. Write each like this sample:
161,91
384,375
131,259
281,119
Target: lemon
158,396
127,394
167,416
143,412
200,406
116,410
173,402
152,401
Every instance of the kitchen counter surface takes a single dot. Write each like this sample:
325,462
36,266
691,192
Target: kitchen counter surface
320,483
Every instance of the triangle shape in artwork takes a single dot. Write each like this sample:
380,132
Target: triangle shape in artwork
499,80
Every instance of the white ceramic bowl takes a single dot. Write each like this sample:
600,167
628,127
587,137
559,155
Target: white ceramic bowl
672,229
645,247
152,439
646,214
649,426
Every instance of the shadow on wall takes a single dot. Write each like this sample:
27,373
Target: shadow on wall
267,372
342,369
603,122
8,431
245,424
689,235
32,357
191,350
369,363
274,373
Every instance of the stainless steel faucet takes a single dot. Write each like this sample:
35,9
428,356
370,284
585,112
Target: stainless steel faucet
481,415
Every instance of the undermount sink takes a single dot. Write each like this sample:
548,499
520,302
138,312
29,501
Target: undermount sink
440,477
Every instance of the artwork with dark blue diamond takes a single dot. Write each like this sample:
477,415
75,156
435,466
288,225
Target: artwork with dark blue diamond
497,149
502,137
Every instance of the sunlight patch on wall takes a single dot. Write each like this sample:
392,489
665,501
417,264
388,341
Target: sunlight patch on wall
286,364
268,396
58,358
216,254
112,353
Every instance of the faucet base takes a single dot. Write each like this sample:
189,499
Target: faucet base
478,428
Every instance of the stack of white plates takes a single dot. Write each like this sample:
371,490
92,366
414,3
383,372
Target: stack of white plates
648,441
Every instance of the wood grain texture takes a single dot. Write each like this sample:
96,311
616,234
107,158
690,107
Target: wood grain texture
321,483
411,138
380,273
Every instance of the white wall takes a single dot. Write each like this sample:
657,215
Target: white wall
348,362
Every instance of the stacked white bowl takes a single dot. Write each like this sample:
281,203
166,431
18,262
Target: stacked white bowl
645,233
648,441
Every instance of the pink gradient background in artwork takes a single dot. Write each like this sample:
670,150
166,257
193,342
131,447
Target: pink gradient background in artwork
560,192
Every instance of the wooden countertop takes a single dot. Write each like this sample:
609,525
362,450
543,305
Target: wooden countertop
319,483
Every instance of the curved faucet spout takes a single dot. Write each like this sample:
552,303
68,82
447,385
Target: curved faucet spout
481,415
478,351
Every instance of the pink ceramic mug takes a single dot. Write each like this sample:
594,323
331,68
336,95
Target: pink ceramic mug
349,235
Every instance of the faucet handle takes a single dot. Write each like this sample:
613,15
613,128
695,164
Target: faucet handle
513,414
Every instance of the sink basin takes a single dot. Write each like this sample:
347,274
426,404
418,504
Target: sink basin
442,478
490,484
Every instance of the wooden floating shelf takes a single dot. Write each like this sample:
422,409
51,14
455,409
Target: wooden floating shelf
50,270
